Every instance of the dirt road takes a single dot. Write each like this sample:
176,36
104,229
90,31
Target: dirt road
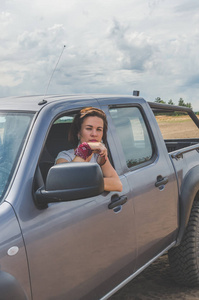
156,283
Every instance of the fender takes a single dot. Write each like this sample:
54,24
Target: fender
10,288
189,189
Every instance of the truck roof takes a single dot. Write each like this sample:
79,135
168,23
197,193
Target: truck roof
36,102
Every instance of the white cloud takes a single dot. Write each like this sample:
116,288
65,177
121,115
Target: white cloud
134,48
112,46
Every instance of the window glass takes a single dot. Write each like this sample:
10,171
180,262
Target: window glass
13,131
133,134
65,119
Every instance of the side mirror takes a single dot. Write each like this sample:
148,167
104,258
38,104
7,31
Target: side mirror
70,181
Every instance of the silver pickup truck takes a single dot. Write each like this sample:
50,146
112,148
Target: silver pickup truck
62,236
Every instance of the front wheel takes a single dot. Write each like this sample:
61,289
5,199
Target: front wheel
184,259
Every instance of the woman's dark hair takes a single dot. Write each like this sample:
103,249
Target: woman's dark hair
78,120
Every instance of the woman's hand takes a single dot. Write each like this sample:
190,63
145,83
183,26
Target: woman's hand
99,148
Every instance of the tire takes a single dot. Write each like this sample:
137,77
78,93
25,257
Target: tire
184,259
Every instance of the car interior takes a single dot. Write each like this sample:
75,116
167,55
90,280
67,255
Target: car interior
56,142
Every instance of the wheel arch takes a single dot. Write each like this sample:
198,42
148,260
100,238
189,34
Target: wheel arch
188,194
10,288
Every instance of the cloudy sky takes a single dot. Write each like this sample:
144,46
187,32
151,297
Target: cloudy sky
112,46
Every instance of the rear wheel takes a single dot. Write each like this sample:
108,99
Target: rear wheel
184,259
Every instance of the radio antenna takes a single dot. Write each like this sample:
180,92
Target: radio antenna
54,70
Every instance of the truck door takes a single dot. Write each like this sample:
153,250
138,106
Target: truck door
80,249
151,178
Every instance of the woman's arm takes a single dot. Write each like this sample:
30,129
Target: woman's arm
63,160
111,179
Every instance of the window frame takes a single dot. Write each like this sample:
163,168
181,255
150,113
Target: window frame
148,129
69,112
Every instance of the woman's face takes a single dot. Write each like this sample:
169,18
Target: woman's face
91,130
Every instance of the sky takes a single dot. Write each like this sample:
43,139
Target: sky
111,47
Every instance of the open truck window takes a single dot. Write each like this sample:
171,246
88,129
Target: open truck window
179,125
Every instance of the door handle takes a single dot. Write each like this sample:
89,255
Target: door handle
116,201
161,181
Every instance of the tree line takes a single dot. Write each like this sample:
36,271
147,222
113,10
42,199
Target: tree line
181,102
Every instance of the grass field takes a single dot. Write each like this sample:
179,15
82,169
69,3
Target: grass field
177,127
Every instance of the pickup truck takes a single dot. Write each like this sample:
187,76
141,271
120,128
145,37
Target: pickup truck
62,236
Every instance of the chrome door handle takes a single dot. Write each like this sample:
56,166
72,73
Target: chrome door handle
117,201
161,181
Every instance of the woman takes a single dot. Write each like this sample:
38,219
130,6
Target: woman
88,130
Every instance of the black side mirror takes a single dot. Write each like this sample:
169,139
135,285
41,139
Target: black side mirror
70,181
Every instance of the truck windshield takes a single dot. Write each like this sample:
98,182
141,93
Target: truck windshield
13,130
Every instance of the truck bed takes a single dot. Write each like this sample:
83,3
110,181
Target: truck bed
173,145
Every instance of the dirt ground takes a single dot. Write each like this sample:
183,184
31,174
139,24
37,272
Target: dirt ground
156,283
177,127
